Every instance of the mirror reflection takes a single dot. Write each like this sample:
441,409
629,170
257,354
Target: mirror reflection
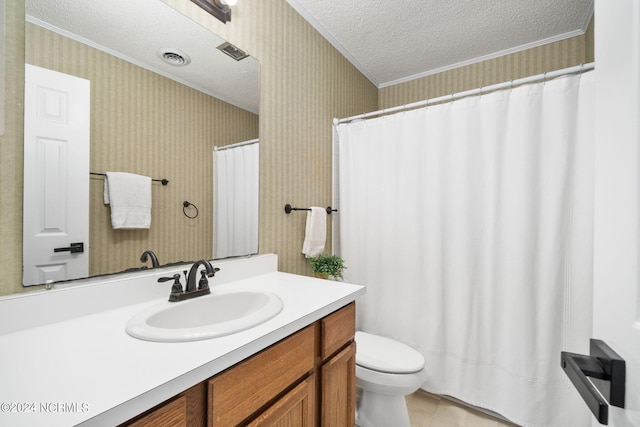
147,117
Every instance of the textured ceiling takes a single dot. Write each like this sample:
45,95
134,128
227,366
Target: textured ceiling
135,29
388,41
391,41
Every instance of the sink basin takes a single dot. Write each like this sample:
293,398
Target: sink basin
219,314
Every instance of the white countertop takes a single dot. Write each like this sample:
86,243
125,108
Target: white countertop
87,370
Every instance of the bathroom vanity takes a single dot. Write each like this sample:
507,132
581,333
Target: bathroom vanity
306,379
67,360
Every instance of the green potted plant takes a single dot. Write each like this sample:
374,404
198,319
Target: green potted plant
327,266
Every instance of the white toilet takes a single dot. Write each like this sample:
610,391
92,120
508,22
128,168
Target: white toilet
386,371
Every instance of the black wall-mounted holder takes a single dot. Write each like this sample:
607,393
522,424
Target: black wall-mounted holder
288,209
163,181
606,368
185,205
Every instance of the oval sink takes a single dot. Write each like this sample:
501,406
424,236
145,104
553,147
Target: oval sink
219,314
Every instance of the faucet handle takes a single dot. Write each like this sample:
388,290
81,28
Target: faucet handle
204,282
176,288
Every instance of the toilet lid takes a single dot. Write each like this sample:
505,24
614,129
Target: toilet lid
386,355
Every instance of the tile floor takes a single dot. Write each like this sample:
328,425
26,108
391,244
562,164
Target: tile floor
428,410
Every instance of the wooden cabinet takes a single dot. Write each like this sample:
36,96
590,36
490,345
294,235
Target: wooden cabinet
306,379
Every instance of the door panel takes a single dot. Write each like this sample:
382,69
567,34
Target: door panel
617,194
56,176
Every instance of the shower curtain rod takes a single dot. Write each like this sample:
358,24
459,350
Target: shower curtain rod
237,144
472,92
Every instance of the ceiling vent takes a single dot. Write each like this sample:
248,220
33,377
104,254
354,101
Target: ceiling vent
174,57
233,51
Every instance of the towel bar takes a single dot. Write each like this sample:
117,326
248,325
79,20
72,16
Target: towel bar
163,180
288,209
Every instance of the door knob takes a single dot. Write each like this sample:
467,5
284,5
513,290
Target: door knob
75,248
607,367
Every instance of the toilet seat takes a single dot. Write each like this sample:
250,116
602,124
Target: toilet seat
385,355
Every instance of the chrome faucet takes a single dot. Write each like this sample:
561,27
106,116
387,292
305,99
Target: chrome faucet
191,291
154,258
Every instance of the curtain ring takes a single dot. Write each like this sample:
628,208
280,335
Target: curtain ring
185,205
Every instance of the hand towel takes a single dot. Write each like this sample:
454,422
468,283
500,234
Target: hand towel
130,198
315,233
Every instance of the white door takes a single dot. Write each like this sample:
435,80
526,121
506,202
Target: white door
617,194
56,176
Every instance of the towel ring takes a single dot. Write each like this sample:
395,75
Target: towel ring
185,205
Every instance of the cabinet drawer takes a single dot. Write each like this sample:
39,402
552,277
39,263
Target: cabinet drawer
296,408
171,414
189,408
338,329
241,390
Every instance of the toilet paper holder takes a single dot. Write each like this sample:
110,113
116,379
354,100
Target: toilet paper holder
606,382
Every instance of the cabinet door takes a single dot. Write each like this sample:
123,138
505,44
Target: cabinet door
339,389
296,408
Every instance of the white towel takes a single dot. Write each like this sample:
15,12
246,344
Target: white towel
130,198
316,232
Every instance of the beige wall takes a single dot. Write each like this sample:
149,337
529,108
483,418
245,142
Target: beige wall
11,151
553,56
147,124
305,84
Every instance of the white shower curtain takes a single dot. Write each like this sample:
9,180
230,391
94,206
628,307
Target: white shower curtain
470,223
235,198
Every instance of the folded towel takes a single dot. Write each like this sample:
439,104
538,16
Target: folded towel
316,232
130,198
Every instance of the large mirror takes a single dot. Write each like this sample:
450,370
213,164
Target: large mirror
149,117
